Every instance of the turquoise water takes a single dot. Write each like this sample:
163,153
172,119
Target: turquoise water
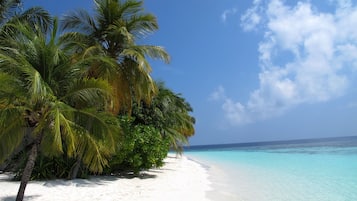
304,171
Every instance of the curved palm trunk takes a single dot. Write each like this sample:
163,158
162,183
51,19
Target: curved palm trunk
115,102
76,167
26,174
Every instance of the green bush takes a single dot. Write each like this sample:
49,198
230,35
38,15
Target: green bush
143,147
49,168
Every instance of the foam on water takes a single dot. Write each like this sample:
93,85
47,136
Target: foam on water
285,172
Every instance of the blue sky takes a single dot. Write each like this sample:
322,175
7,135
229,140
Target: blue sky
256,70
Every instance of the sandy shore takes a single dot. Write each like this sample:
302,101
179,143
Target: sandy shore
180,179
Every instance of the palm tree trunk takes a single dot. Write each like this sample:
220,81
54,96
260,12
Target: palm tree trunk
76,167
26,174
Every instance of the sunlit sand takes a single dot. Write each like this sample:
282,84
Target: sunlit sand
180,177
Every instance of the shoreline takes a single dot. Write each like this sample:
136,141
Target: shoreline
179,177
219,178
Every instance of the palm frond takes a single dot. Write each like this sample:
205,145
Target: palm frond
35,16
95,155
69,132
51,144
12,130
101,125
106,13
127,8
138,54
119,35
10,90
87,93
79,20
103,67
8,9
96,136
75,42
154,52
142,25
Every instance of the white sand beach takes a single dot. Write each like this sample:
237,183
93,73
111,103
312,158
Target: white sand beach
179,178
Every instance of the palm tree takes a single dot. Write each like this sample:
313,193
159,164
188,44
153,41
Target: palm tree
11,11
48,104
116,27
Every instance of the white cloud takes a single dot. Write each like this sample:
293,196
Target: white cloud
306,56
228,12
252,16
233,111
343,4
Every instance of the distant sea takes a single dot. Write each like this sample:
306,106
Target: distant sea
299,170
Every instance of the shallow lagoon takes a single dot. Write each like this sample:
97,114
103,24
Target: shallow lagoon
318,170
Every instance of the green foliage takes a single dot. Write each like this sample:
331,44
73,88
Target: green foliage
44,91
142,148
12,10
115,27
170,114
62,92
48,167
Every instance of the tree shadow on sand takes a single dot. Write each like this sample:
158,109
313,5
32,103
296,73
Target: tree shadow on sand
12,198
131,175
98,180
93,181
147,174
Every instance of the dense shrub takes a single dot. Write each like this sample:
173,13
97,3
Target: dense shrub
168,112
143,147
48,167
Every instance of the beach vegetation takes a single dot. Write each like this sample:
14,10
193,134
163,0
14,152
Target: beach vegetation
53,167
141,148
47,105
170,113
152,130
77,96
12,11
116,26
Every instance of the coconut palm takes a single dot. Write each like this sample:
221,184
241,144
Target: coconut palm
117,26
47,104
11,11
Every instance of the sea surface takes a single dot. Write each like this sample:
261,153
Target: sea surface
300,170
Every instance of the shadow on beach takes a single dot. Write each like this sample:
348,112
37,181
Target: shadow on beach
94,181
6,176
12,198
142,175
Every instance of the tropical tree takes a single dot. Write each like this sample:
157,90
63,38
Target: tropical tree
151,130
170,113
11,11
117,26
47,104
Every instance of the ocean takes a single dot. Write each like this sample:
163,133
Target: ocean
300,170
